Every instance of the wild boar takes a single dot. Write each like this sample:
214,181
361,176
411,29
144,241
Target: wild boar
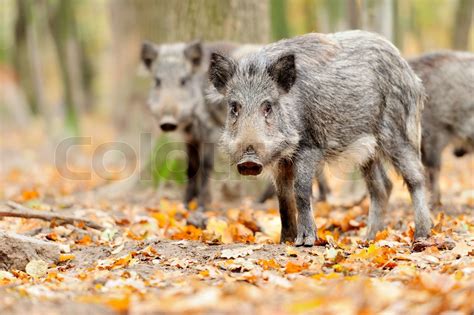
448,116
317,98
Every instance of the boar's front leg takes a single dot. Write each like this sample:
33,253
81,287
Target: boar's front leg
199,169
284,181
304,173
192,172
207,165
268,193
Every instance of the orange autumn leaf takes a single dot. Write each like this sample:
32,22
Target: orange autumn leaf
52,275
241,234
66,257
192,205
123,261
292,267
268,264
381,235
85,240
188,232
52,236
130,234
119,304
162,219
29,195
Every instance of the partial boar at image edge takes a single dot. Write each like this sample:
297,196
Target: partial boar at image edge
448,115
316,98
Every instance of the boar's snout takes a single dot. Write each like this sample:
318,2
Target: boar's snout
168,127
168,124
249,165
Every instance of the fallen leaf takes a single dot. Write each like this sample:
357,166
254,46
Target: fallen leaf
37,268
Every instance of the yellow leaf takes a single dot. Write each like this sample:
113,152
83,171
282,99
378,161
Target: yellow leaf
66,257
268,264
305,306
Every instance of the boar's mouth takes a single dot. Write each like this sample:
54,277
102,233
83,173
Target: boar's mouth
249,165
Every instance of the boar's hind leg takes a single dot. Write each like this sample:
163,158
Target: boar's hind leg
323,186
387,182
284,180
192,172
431,149
379,187
303,193
406,161
268,193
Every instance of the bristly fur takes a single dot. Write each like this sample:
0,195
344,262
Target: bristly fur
319,98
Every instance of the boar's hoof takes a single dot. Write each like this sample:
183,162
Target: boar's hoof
288,236
423,230
249,168
372,232
305,238
197,219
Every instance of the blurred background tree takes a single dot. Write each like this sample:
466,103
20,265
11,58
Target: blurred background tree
72,59
70,67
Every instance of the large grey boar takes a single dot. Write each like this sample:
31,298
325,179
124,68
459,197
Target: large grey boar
176,100
448,116
317,98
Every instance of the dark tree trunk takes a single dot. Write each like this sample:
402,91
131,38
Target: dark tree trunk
21,58
62,24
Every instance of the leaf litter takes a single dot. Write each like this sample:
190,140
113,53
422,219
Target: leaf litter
147,260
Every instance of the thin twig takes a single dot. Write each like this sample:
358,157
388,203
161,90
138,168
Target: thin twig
20,211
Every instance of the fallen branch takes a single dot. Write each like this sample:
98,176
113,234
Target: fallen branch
20,211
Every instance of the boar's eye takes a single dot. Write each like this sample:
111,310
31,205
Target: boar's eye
234,108
157,82
183,81
267,108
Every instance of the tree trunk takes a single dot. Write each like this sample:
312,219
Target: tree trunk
398,27
62,23
378,17
160,21
26,58
462,24
279,19
354,12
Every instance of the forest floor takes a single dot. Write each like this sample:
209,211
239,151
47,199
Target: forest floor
146,260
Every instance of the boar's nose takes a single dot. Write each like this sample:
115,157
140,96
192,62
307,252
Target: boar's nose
168,126
249,165
168,123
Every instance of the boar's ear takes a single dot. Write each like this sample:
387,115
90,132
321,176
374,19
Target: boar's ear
221,70
148,54
283,72
193,52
